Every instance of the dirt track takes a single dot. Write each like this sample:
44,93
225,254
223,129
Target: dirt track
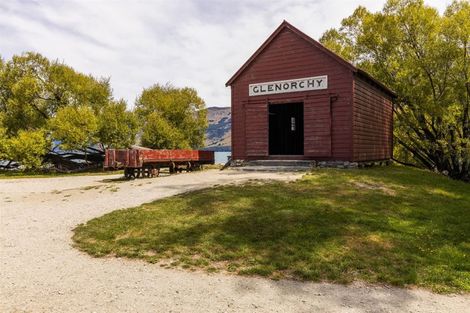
41,272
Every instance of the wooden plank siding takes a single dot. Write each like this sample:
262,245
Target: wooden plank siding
317,127
351,120
373,122
256,130
288,57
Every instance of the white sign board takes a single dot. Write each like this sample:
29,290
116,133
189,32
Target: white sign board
291,85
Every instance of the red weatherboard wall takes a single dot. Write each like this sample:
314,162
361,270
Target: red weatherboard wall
329,129
373,122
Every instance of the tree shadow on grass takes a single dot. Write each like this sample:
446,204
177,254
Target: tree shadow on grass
323,227
357,234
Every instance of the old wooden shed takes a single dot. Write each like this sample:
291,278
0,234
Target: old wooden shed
295,99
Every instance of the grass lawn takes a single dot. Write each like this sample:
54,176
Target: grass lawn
20,174
391,225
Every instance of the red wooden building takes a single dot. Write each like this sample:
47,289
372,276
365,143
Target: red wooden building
295,99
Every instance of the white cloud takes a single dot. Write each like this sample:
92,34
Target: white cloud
139,43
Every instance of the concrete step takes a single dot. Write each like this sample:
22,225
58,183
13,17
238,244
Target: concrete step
279,163
263,168
275,166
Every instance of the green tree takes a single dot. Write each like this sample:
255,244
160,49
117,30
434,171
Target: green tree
3,140
117,126
28,148
159,133
75,127
171,117
32,89
424,57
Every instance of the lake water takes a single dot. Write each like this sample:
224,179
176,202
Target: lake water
221,156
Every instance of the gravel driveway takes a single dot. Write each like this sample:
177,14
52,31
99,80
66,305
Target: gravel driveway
41,272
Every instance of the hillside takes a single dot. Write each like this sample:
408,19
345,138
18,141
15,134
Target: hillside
218,134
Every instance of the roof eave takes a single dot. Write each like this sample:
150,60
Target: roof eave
304,36
315,43
256,53
381,85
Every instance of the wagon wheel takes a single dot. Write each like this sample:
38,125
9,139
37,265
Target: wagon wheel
189,167
129,173
139,172
155,172
147,171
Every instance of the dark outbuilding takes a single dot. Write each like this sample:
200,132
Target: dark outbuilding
295,99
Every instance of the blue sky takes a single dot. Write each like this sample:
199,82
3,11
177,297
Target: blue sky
138,43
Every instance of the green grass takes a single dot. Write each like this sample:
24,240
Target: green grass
28,174
392,225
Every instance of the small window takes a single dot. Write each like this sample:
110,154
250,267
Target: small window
292,124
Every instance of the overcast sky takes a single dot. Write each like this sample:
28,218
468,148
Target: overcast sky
198,43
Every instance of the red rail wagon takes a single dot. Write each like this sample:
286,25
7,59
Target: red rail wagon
148,162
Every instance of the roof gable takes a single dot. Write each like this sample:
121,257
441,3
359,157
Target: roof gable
315,44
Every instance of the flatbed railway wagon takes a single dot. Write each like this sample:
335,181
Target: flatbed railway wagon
148,163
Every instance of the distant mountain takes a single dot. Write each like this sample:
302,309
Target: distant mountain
218,135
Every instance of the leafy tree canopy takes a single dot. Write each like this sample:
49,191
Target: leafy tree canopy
3,139
28,148
74,127
424,57
37,94
33,89
171,117
49,98
117,126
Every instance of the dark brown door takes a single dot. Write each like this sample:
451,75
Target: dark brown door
286,129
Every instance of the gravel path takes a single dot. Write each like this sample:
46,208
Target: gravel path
41,272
